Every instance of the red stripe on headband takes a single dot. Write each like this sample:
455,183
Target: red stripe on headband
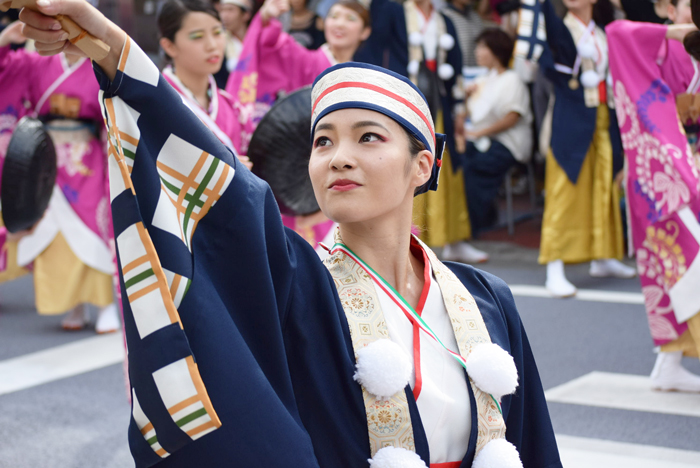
358,84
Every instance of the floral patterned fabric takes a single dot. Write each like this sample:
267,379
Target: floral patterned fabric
662,184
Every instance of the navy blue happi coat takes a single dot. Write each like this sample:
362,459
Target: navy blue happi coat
239,350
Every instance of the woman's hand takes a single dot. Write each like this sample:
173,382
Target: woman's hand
273,9
679,31
471,89
50,39
12,34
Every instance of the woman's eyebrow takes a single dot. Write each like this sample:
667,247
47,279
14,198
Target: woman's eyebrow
368,123
325,126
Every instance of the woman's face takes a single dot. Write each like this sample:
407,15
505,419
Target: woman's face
360,166
199,44
344,28
484,56
681,13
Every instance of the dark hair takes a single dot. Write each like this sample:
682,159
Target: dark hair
674,2
358,8
603,13
499,43
173,12
692,40
415,146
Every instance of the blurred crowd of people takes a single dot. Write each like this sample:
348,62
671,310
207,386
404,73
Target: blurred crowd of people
501,111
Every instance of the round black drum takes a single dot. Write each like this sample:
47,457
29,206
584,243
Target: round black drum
28,175
280,149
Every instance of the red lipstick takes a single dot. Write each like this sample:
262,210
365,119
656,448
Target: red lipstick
344,185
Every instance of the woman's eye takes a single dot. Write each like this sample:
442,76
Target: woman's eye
322,141
196,36
218,31
370,138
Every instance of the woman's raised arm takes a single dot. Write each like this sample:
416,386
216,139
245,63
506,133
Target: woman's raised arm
206,270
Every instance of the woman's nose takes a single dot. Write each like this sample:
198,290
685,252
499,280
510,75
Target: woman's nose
342,158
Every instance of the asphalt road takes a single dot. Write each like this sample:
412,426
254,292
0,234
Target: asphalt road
80,420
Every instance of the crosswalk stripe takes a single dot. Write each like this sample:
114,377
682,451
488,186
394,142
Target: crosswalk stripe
594,295
579,452
623,391
60,362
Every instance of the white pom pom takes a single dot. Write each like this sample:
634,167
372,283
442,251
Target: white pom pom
590,79
498,453
383,368
492,369
392,457
447,42
446,71
587,50
415,39
413,67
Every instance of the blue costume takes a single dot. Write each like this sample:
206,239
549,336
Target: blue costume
388,47
573,123
255,316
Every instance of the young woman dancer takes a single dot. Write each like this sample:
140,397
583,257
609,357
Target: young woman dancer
299,362
193,39
582,221
653,77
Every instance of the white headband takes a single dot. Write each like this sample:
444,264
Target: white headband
363,86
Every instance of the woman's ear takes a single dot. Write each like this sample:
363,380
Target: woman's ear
424,169
365,33
168,47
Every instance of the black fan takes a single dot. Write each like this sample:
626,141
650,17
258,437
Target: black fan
280,149
28,175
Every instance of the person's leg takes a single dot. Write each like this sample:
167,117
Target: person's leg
565,223
483,176
668,373
606,235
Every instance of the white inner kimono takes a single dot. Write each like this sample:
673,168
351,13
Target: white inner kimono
443,402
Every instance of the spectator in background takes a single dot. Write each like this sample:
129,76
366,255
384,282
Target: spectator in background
235,16
468,25
304,25
500,131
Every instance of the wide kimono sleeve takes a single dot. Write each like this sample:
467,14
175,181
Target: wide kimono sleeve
206,270
19,69
281,63
663,182
528,425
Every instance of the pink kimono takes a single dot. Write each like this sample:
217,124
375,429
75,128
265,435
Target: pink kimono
663,183
80,206
223,115
271,62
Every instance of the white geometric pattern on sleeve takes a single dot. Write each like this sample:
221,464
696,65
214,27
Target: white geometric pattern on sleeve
192,181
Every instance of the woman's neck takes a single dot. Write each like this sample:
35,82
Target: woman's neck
198,85
585,14
426,6
385,245
342,55
499,68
